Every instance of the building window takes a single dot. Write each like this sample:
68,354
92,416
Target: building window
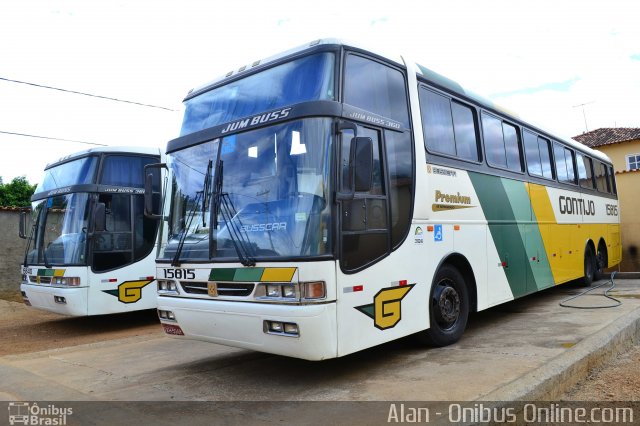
633,162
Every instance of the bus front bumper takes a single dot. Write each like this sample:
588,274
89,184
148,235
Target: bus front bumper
246,325
61,300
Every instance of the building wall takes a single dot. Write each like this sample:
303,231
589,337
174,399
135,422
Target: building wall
628,184
12,250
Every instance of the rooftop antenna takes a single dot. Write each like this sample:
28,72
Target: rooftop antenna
586,129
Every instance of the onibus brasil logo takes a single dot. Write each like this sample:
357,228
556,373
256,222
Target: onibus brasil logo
386,309
33,414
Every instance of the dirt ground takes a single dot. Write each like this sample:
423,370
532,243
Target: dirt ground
617,380
24,329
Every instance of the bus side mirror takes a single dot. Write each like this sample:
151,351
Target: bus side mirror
22,227
362,164
100,218
153,190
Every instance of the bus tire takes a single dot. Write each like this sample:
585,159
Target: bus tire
448,308
590,267
601,261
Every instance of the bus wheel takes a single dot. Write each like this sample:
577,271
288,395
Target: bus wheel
448,308
590,267
601,261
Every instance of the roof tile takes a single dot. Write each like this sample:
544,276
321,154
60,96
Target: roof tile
608,136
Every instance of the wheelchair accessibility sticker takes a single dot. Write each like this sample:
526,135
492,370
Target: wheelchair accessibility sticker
437,233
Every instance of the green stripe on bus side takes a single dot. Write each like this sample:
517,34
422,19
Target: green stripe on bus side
539,274
507,208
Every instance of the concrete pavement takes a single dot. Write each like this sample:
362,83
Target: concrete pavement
527,349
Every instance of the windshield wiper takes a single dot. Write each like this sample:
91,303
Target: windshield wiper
200,195
222,204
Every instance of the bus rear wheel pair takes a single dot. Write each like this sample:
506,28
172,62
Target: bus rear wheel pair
594,264
448,309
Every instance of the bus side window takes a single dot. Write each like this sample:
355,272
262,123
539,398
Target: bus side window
612,180
561,163
585,173
501,143
601,177
377,88
449,127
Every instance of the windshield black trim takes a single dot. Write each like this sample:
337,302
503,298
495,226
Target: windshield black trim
89,188
279,115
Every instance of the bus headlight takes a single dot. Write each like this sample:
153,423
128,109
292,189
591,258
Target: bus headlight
167,286
311,291
66,281
274,291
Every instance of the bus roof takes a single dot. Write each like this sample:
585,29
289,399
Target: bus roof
246,69
424,72
107,149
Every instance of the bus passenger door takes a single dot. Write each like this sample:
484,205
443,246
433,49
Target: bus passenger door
377,296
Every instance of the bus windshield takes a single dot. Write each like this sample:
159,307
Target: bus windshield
300,80
60,230
76,172
268,193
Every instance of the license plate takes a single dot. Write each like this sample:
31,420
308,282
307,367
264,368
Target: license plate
212,289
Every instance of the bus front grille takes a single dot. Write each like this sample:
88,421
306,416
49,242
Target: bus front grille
224,289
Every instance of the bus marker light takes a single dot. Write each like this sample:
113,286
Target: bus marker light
357,288
314,290
456,227
172,329
430,228
402,283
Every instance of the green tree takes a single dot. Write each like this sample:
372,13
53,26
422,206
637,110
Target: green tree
17,193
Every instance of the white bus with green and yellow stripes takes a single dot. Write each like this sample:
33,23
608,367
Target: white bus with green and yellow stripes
90,248
331,198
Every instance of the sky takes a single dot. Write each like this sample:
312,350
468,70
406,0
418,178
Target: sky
567,66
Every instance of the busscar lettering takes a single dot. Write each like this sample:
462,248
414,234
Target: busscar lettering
576,206
256,120
262,227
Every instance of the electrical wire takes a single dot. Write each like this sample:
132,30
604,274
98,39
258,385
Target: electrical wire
42,86
50,138
617,302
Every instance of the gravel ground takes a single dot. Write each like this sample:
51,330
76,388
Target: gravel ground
24,329
616,380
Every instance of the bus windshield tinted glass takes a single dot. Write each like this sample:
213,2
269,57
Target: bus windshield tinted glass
305,79
60,232
271,197
76,172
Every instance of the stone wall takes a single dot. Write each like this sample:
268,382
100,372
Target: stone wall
12,250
